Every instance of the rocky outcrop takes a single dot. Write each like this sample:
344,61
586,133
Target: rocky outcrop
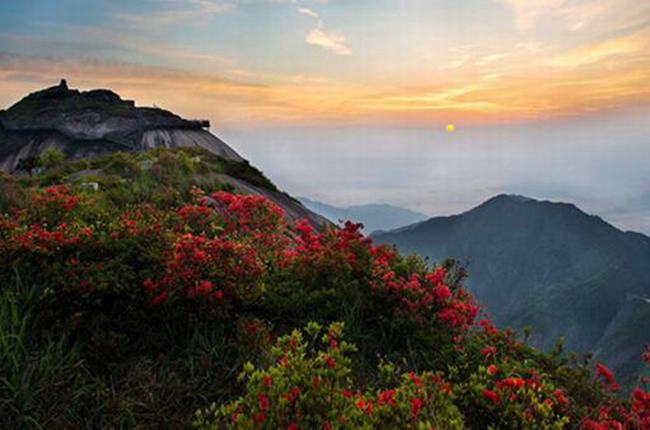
93,123
86,123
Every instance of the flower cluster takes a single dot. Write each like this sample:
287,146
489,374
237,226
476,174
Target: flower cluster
206,269
424,297
308,387
234,260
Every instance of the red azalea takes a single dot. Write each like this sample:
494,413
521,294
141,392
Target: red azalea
160,298
604,372
490,350
263,401
492,396
415,379
559,395
442,292
267,381
416,405
331,363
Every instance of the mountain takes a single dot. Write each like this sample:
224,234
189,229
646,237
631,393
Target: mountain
373,216
549,266
99,122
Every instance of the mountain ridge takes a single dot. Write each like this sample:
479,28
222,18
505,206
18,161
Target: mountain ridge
545,264
374,216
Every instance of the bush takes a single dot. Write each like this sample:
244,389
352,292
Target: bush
308,386
154,290
51,157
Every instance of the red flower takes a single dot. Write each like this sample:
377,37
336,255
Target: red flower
603,371
492,369
415,379
331,363
416,405
492,396
559,395
441,292
387,397
490,350
160,298
263,401
267,381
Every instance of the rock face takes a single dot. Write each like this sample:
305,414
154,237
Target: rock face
91,123
86,123
549,266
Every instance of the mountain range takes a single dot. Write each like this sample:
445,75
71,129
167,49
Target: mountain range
373,216
549,266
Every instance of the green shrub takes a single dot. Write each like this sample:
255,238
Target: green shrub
308,385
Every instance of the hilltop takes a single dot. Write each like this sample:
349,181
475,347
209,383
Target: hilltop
90,124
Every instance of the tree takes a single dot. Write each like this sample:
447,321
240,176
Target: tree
51,157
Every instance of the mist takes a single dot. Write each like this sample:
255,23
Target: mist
600,163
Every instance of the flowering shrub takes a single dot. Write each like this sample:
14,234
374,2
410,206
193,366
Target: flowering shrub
515,397
308,386
210,270
140,271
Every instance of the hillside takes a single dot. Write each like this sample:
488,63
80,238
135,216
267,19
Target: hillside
90,124
173,286
549,266
153,295
374,217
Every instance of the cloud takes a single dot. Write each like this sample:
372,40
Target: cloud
581,15
318,36
173,11
308,12
527,12
330,41
619,47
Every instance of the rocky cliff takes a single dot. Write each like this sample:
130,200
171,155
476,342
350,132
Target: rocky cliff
87,123
91,123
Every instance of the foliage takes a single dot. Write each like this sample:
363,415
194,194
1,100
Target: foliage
136,305
308,386
51,157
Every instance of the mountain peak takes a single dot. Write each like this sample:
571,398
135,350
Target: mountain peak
512,197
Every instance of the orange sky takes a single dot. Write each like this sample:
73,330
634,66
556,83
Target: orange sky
399,62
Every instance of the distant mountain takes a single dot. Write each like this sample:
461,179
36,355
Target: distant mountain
98,122
549,266
373,216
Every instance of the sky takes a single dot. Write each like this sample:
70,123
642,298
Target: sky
347,101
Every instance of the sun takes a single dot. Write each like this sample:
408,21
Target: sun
451,127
